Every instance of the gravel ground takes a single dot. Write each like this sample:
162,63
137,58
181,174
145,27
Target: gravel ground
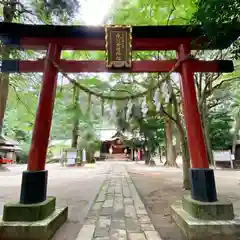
159,187
77,187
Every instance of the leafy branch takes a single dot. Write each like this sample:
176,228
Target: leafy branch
21,101
103,96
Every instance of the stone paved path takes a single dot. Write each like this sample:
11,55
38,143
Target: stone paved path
118,212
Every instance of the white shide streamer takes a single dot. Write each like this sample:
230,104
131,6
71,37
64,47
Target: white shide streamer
144,107
156,100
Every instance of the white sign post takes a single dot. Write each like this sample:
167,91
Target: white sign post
71,155
223,156
84,158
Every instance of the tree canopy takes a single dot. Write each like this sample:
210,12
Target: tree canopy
220,15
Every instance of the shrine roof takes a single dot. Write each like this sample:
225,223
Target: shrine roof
14,30
6,141
113,134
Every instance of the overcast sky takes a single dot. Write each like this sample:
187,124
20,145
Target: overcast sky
92,12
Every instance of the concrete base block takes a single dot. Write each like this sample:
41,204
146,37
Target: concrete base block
29,212
196,229
219,210
39,230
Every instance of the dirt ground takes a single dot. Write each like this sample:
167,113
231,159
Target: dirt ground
74,187
159,187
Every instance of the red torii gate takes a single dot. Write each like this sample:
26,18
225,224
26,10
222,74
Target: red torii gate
146,38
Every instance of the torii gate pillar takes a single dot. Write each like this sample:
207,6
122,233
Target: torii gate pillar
202,178
34,180
200,215
36,215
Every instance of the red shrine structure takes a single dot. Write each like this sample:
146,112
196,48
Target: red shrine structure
114,146
118,42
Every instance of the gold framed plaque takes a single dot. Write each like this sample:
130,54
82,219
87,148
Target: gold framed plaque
118,46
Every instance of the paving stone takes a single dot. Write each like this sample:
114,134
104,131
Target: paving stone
144,219
152,235
118,224
126,192
118,195
105,187
110,190
117,214
108,203
128,201
94,213
118,199
147,227
130,211
118,206
101,198
139,206
86,232
136,236
132,225
109,196
101,238
97,206
106,211
104,222
101,232
119,234
141,210
91,220
118,190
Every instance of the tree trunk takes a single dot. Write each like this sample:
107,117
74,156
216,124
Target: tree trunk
148,157
236,131
205,126
178,143
4,88
75,134
133,154
89,156
171,151
160,154
9,9
146,152
184,145
76,117
185,158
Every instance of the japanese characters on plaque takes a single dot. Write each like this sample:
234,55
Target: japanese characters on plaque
118,46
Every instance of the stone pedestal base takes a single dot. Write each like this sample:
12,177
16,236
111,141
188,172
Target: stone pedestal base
31,221
195,220
219,210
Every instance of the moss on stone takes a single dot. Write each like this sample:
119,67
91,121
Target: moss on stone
29,212
219,210
39,230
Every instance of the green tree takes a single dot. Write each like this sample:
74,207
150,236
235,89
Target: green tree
220,15
56,11
220,124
